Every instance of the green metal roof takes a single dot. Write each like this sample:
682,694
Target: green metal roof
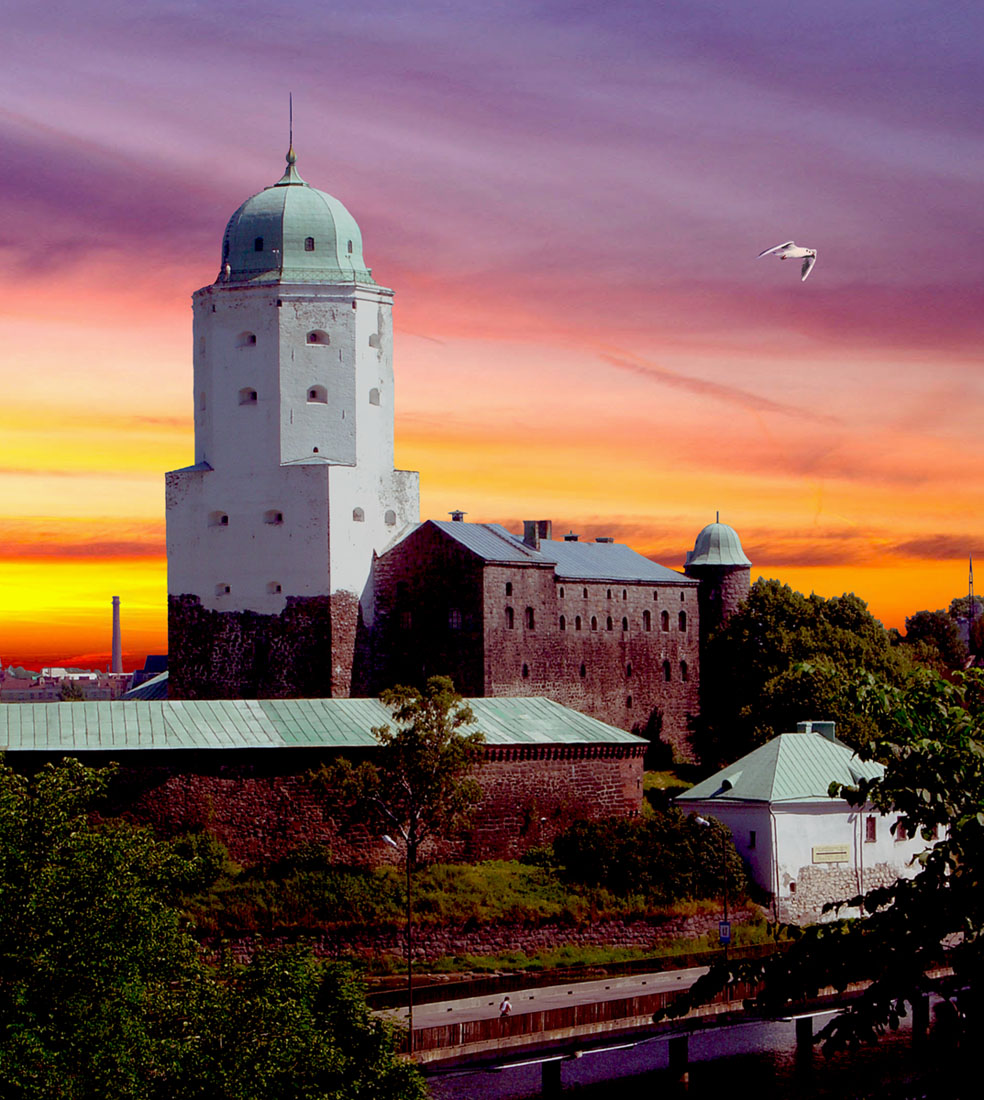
793,767
717,544
127,725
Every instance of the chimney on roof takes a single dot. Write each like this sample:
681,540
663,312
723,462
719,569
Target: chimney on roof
825,729
117,659
536,529
457,516
604,538
571,537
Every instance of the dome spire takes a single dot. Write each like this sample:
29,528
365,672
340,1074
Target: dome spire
290,173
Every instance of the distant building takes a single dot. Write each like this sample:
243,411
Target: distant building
802,846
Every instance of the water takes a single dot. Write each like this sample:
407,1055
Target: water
757,1059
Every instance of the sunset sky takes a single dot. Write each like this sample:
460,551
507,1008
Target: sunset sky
569,200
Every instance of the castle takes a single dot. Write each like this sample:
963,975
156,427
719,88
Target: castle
297,565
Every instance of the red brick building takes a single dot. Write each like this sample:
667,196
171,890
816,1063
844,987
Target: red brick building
592,625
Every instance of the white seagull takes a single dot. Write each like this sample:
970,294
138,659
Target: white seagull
790,250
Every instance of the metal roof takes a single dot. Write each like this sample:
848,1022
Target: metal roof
588,561
154,688
126,725
793,767
717,544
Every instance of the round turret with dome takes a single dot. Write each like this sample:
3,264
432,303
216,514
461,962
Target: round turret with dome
292,232
724,571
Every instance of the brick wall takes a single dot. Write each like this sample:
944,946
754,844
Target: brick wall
722,589
262,804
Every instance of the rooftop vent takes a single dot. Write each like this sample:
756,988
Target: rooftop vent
457,516
825,729
571,537
604,538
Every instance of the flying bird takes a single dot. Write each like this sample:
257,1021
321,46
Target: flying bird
792,251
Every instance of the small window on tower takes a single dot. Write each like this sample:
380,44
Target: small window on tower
530,619
647,620
666,671
526,672
223,589
563,623
274,517
358,515
594,623
508,588
309,244
318,336
374,397
247,396
583,671
609,625
350,248
390,518
684,671
274,589
246,340
218,519
510,618
625,624
664,621
683,620
318,395
577,622
258,244
374,341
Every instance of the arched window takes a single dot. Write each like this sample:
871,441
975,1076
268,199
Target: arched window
664,620
625,594
530,619
647,620
317,395
625,623
247,396
655,593
526,672
374,396
666,671
274,517
682,597
584,593
258,244
246,340
561,591
218,519
350,248
683,620
577,622
510,618
389,518
318,336
684,671
374,340
609,625
309,244
563,623
594,623
274,588
358,515
609,596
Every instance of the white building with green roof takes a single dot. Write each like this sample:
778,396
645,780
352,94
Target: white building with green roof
802,846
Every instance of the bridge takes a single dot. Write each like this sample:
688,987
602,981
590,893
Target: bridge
553,1024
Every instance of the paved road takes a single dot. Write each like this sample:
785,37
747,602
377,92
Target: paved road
543,997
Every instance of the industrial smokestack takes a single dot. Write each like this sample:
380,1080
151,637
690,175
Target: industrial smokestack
117,662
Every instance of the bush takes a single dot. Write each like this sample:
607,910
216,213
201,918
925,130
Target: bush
666,856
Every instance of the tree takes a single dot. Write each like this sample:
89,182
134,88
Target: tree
784,657
934,780
105,993
71,691
419,783
935,639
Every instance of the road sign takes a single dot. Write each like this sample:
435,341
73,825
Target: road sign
724,931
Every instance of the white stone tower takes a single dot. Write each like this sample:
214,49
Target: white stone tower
271,534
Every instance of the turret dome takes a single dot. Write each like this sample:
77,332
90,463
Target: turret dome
292,232
717,544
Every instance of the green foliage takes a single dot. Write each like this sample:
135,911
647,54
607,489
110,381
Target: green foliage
419,783
667,855
934,779
783,658
105,994
935,640
71,691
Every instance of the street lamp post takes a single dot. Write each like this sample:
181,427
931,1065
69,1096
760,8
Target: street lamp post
724,927
409,942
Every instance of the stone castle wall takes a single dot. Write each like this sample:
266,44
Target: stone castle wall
263,804
817,884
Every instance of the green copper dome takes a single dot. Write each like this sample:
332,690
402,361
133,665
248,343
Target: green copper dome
717,544
292,232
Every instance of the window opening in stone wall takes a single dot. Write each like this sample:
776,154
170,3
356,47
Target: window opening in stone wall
223,589
577,622
374,340
318,336
454,618
374,397
664,621
609,594
273,517
561,591
647,620
628,669
526,672
530,619
583,671
584,593
389,518
563,623
666,671
317,395
751,838
684,671
247,396
246,340
682,597
258,244
683,620
309,244
350,248
609,625
218,519
655,593
594,622
625,624
508,588
625,594
901,832
358,515
274,589
870,830
628,701
510,618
